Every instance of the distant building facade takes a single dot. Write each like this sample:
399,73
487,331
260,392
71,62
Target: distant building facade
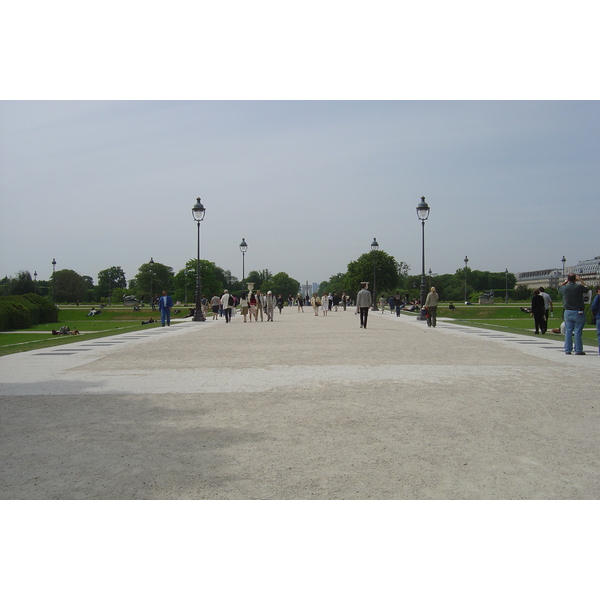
588,270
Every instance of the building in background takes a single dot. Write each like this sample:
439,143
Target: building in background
588,270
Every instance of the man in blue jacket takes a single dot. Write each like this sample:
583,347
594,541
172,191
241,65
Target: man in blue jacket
164,305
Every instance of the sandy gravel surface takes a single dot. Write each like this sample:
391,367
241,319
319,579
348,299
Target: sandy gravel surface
303,408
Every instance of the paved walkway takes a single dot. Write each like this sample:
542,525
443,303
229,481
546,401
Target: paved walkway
302,408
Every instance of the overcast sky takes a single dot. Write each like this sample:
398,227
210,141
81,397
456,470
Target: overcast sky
308,184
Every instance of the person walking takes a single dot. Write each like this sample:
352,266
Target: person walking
398,302
382,304
244,306
164,305
280,302
260,305
573,290
315,303
214,302
548,307
538,310
253,303
431,304
300,303
363,303
325,304
227,303
269,306
596,313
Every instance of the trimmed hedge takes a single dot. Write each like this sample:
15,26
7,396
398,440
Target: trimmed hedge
22,312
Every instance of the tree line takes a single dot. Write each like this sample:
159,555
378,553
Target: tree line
386,276
67,286
384,273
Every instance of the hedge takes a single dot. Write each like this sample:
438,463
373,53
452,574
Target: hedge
22,312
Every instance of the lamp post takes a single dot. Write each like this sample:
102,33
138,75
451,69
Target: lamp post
563,260
423,214
198,212
506,273
374,248
243,249
151,263
35,282
466,263
185,273
429,281
53,282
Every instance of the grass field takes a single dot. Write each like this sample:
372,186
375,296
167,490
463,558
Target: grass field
511,319
112,321
116,320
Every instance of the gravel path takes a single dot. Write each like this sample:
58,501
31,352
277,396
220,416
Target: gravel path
302,408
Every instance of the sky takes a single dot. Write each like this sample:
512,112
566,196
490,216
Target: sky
308,184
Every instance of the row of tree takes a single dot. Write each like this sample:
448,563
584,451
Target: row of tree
387,276
383,272
66,285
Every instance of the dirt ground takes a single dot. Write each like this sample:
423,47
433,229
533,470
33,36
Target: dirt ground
302,408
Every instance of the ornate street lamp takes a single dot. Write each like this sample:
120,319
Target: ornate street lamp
563,260
466,263
151,263
54,283
506,273
423,214
198,212
243,249
374,248
185,273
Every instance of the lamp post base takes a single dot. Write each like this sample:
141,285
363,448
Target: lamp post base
198,313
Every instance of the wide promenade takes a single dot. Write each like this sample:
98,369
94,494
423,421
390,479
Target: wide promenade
302,408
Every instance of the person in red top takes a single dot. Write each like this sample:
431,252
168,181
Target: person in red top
253,309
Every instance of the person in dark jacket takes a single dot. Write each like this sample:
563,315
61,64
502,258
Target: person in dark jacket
538,310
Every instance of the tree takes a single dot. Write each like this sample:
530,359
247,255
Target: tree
110,279
21,284
335,284
386,272
184,282
283,284
259,278
403,270
151,279
68,286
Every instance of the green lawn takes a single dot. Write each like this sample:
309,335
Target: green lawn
509,318
112,321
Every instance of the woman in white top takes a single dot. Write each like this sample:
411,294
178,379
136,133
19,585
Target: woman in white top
244,306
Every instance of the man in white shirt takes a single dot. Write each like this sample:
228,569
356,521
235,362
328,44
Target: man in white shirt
225,303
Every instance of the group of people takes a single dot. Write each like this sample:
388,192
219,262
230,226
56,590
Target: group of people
327,302
573,291
252,304
255,304
541,305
